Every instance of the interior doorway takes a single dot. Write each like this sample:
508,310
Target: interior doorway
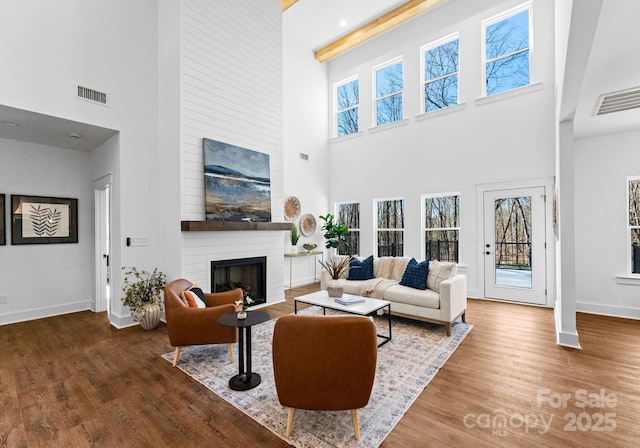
102,195
514,249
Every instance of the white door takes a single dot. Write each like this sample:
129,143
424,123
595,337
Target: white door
103,273
514,245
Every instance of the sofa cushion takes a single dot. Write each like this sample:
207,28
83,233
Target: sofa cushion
439,271
415,275
361,269
411,296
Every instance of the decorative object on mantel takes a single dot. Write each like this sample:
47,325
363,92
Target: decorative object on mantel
142,294
337,268
295,236
309,246
291,208
335,234
308,225
237,183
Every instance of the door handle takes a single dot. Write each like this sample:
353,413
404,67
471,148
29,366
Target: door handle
488,253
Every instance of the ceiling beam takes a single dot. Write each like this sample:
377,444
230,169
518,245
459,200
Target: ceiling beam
375,27
286,4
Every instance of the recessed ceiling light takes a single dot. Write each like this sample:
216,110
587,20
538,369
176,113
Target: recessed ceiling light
342,23
10,123
73,135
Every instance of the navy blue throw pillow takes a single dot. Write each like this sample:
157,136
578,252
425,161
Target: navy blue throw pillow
361,269
415,275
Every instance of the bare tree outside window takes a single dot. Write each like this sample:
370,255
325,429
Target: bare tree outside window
347,101
441,76
513,233
391,228
389,84
349,215
634,224
507,53
442,228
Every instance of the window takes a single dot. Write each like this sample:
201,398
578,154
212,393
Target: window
349,215
390,229
440,74
347,101
441,226
507,45
388,85
634,224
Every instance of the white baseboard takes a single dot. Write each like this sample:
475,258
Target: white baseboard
41,313
121,322
563,338
608,310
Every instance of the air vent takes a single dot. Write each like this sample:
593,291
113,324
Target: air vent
618,101
92,95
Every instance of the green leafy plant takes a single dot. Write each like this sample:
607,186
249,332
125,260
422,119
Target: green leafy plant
142,287
334,233
295,236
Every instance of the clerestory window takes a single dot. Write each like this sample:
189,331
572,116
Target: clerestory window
347,100
440,75
388,87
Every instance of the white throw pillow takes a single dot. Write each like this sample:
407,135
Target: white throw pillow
439,271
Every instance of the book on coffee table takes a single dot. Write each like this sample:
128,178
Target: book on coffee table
349,300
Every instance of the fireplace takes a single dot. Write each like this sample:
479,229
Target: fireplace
249,274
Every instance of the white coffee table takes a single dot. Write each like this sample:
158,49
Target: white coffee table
367,308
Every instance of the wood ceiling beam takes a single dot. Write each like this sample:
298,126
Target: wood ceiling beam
383,23
286,4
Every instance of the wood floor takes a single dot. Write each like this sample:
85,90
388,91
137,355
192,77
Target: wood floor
74,381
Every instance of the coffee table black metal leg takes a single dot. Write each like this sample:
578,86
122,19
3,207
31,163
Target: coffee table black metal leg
240,351
248,371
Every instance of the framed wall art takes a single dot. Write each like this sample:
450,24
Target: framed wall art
43,220
3,233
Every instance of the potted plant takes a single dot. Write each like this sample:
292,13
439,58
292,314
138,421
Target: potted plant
336,267
142,294
241,307
334,233
295,236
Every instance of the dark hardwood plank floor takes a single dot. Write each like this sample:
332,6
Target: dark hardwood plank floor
75,381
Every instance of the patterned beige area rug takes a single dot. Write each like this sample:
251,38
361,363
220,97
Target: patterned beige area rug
406,364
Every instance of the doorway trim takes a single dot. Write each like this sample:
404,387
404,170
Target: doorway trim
102,183
550,257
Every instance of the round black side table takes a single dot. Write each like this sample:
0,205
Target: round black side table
245,379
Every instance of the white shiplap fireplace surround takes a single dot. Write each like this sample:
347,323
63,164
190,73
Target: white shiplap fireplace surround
223,98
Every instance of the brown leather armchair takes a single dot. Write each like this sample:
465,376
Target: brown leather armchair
324,363
198,326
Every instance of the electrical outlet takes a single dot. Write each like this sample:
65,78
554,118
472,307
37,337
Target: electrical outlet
4,299
139,241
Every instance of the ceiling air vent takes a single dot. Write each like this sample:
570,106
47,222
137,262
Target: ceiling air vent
618,101
92,95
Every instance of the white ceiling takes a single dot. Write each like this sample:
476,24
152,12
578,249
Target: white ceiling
613,65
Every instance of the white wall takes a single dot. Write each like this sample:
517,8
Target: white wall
231,91
49,48
305,105
46,279
602,165
482,142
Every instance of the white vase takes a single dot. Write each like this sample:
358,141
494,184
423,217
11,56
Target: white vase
241,315
294,249
149,315
334,288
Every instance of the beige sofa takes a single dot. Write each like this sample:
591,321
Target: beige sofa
444,300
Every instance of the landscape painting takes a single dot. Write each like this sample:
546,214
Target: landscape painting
237,183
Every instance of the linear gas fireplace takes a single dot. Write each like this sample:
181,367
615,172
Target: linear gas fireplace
249,274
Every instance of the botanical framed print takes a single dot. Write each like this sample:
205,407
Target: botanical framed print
43,220
3,235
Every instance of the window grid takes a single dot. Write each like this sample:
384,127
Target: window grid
441,221
507,67
389,86
347,102
390,227
447,46
633,224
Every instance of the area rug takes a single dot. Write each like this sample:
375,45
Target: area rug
405,366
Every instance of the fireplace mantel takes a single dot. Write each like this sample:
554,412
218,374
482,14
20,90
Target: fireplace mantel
218,226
